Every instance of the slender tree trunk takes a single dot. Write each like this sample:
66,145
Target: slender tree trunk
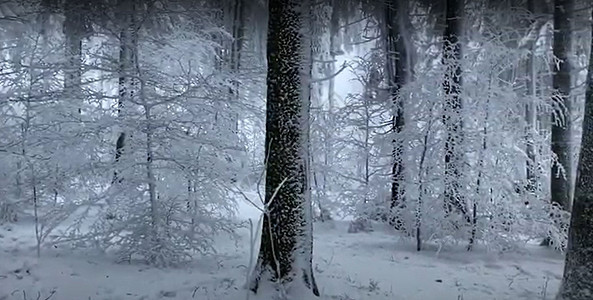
16,57
397,73
238,9
152,192
561,134
127,69
370,88
38,225
422,176
531,113
238,38
73,31
286,248
452,108
577,282
25,127
480,167
318,69
334,49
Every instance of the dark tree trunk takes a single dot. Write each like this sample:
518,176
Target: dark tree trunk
577,282
238,27
128,40
286,247
561,134
479,180
238,41
398,71
48,8
235,20
74,31
452,108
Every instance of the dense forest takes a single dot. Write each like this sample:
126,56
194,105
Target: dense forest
150,133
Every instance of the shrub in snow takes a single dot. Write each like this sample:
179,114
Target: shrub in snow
322,215
556,226
171,197
167,232
360,225
499,206
165,191
8,213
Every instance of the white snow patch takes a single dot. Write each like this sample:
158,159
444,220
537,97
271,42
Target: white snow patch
377,265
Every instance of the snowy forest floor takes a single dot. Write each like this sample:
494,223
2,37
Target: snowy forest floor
376,265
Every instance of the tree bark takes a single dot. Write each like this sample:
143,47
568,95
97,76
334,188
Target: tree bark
155,215
452,108
128,55
561,82
238,36
286,249
577,282
531,112
74,30
238,32
398,72
334,50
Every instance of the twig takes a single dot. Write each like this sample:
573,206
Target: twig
261,177
51,294
274,194
545,287
248,200
252,239
343,67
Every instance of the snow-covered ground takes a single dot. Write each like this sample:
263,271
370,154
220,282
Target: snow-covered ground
375,265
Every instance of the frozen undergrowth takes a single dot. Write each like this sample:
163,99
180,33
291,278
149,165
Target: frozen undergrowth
360,266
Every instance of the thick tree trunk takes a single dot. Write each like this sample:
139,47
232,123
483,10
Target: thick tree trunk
286,249
127,69
561,134
398,72
577,282
452,108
